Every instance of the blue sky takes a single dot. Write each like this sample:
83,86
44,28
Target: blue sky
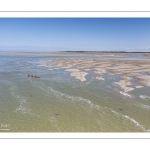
75,34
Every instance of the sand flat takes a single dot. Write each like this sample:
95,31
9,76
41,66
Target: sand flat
139,86
144,83
100,78
126,68
79,75
126,78
124,85
72,70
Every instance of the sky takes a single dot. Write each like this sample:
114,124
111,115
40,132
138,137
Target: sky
75,34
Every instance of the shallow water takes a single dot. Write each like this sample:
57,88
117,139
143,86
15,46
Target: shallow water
57,102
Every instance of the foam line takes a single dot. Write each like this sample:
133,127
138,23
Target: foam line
57,93
134,122
129,118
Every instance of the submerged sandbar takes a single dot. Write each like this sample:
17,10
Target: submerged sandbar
132,72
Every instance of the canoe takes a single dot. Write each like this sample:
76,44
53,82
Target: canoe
33,76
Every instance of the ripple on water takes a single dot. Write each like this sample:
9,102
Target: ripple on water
23,107
91,105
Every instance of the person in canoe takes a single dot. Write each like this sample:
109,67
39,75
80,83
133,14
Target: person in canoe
33,76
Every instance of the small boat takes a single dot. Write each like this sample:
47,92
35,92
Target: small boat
33,76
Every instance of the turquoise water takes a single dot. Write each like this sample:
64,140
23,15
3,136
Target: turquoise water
57,102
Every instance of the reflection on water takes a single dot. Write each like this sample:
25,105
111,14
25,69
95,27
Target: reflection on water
58,102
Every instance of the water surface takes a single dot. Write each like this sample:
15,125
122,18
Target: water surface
58,102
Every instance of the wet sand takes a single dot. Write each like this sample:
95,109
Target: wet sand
133,72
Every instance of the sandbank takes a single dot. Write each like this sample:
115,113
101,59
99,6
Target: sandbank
79,75
72,70
128,69
100,78
124,85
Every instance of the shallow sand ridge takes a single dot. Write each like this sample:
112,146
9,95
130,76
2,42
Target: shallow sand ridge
124,85
79,75
133,72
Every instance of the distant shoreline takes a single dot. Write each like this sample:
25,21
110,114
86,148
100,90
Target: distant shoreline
82,53
88,52
105,52
71,52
